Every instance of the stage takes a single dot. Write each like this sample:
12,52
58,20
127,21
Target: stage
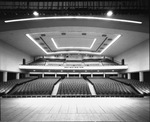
75,109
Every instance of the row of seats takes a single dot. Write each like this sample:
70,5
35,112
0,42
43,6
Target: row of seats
142,87
36,87
73,87
108,86
109,63
57,64
38,63
5,87
84,62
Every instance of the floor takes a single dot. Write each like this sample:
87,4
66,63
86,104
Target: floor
75,109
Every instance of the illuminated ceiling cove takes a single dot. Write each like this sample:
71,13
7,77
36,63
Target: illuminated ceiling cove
93,42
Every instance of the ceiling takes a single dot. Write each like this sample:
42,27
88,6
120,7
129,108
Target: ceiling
75,35
74,40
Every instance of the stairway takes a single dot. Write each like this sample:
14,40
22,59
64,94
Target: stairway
91,88
56,87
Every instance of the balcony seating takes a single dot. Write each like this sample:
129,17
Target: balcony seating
41,63
73,87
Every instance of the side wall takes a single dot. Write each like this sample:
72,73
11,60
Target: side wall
10,58
136,58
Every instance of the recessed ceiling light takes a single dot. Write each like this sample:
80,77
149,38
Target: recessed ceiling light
63,33
83,33
109,39
115,39
41,43
104,35
32,39
37,38
35,13
43,35
109,13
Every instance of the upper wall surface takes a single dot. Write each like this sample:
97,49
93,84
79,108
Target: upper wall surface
11,58
137,58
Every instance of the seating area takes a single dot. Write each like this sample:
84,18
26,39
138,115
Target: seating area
108,87
73,87
107,62
83,62
5,87
54,64
36,87
38,63
142,87
92,63
45,62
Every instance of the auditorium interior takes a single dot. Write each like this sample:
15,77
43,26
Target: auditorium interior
70,61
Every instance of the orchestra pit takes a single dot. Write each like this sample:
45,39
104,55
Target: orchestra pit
71,61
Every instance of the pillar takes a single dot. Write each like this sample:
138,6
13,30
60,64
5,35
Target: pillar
42,75
5,76
129,76
91,75
104,75
124,75
79,75
55,75
67,75
141,76
17,76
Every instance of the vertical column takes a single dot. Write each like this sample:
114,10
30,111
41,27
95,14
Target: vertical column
67,75
79,75
5,76
55,75
17,76
42,75
104,75
141,77
124,75
129,76
91,75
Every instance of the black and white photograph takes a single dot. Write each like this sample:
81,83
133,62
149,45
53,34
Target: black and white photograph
74,61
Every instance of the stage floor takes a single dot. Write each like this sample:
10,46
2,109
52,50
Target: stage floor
75,109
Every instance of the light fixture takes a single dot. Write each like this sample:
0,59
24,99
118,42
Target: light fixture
32,39
35,13
109,13
72,47
115,39
74,17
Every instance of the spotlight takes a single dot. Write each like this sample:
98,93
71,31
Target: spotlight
109,13
35,13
